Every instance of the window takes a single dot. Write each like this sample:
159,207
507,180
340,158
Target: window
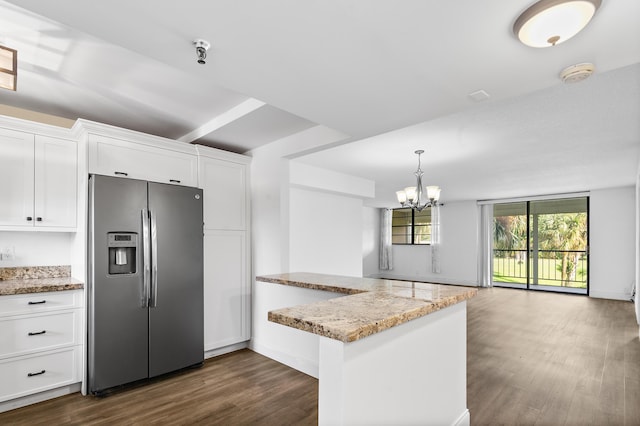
410,226
542,245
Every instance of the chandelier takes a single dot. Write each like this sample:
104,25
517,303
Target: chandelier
413,196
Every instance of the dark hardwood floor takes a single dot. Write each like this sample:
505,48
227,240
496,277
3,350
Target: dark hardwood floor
533,359
242,388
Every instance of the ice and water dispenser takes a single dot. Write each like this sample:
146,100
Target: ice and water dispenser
122,252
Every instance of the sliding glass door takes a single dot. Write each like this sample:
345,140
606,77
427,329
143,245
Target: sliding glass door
542,245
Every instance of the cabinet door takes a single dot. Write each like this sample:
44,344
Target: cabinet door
225,191
56,174
38,372
23,335
16,178
120,158
226,289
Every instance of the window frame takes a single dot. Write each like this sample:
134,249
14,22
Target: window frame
412,227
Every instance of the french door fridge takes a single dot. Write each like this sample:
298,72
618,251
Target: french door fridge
145,283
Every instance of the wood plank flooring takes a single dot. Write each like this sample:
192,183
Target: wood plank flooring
242,388
533,359
551,359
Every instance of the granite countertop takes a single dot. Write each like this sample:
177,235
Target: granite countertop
37,279
370,305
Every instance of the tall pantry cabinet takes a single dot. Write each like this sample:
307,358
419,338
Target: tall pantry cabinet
224,178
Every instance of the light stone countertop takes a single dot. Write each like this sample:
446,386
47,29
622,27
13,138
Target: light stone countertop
370,305
39,285
37,279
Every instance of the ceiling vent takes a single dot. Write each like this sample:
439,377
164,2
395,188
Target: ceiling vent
576,73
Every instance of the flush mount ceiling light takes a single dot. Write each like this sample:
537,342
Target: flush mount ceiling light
8,68
412,196
550,22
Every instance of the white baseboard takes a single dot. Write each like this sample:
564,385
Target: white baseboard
38,397
615,295
303,365
225,350
464,419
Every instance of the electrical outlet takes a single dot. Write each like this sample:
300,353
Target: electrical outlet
7,254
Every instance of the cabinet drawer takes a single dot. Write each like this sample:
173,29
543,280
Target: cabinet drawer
31,374
114,157
20,304
21,335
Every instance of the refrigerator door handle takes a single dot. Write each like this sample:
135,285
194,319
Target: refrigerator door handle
153,302
146,260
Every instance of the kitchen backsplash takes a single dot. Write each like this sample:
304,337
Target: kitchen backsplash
31,272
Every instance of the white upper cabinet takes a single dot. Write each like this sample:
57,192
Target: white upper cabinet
16,175
39,175
123,158
225,194
56,174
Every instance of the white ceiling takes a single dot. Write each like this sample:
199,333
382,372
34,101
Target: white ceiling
393,76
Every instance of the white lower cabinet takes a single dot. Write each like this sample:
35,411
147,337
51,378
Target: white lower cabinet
26,375
227,290
40,342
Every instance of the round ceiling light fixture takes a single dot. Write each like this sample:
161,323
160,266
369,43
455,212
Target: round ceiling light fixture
550,22
577,73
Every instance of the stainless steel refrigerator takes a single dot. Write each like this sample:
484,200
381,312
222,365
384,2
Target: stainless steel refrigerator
145,286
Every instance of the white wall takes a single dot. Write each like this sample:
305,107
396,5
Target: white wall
304,219
37,248
269,227
612,243
325,233
370,240
458,252
325,220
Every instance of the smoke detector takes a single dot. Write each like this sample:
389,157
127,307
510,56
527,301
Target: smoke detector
576,73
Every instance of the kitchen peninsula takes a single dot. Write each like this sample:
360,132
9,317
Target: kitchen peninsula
388,352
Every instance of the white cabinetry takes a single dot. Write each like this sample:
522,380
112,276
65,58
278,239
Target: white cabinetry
227,282
225,203
39,182
136,156
226,293
40,342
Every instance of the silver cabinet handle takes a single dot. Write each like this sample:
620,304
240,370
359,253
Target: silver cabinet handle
146,252
154,261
